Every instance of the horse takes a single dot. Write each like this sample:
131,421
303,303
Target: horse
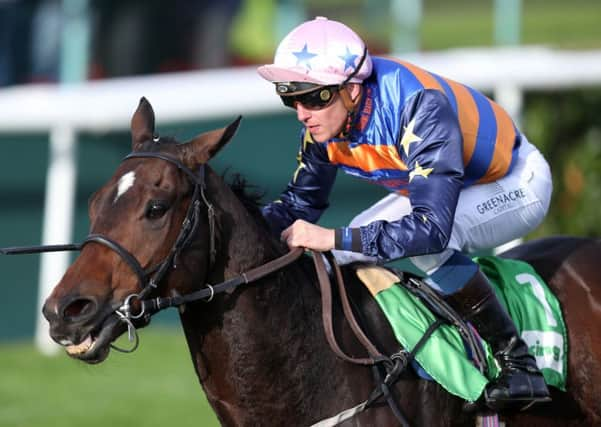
259,349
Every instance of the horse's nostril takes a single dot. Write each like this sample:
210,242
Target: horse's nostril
79,309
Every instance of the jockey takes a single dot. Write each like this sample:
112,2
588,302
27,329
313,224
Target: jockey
461,177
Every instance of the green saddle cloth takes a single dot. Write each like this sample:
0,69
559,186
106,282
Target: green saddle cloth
531,304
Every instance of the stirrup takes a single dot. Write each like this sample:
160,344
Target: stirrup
513,404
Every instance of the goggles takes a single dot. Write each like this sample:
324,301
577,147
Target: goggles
309,95
313,96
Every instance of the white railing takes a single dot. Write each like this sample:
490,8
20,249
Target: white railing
63,111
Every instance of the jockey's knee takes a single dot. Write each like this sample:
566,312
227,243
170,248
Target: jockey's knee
447,271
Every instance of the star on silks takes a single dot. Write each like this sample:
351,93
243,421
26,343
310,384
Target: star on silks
349,59
308,139
304,56
301,165
299,159
419,171
409,137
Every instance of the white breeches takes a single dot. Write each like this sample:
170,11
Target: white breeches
487,215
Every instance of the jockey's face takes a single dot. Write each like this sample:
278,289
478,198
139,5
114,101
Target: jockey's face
327,122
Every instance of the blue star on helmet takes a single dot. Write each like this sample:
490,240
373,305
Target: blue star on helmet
304,56
349,59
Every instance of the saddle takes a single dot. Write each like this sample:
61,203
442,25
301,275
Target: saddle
426,327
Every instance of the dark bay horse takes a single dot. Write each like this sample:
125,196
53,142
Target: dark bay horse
259,350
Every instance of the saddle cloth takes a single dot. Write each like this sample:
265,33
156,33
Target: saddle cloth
533,307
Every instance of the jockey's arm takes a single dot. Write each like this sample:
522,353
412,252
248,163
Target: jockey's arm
306,196
435,164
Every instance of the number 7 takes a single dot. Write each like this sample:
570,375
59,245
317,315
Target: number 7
539,292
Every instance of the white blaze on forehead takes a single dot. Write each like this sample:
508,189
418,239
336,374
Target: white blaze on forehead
125,183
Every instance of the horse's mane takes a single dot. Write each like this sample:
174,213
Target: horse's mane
251,197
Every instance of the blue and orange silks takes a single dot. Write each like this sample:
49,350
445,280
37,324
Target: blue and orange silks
415,133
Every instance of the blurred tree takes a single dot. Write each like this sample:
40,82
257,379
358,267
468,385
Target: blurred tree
253,35
567,128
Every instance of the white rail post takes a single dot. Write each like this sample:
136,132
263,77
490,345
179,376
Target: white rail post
58,223
511,97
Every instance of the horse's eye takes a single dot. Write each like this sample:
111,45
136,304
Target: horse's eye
156,209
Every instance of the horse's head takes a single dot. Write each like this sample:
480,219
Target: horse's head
141,223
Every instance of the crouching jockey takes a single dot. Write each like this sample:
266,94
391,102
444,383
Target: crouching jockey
462,178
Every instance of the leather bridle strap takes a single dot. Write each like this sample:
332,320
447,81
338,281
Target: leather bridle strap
154,305
23,250
97,238
326,295
123,253
200,187
198,179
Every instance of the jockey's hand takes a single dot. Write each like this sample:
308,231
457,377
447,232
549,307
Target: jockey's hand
306,235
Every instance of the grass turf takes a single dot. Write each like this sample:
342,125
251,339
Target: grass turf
155,386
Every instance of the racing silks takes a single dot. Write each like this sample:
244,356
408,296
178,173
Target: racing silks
415,133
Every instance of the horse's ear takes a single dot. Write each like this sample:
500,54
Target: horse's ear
142,124
203,147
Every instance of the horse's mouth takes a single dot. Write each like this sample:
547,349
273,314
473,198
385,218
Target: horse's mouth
95,347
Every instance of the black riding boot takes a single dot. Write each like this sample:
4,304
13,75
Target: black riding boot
520,383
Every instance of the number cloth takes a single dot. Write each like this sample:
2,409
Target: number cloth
530,303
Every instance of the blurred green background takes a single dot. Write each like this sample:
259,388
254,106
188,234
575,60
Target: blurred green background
154,387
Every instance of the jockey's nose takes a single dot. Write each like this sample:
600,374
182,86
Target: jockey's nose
302,113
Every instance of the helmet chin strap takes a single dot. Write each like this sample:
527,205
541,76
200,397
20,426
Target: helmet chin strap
351,106
349,103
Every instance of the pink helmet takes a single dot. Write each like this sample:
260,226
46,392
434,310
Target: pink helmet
321,52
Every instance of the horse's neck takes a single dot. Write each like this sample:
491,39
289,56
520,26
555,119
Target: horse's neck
243,243
243,342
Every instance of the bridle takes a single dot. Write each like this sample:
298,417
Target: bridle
149,279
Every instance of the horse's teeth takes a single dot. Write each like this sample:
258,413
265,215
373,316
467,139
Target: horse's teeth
80,348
